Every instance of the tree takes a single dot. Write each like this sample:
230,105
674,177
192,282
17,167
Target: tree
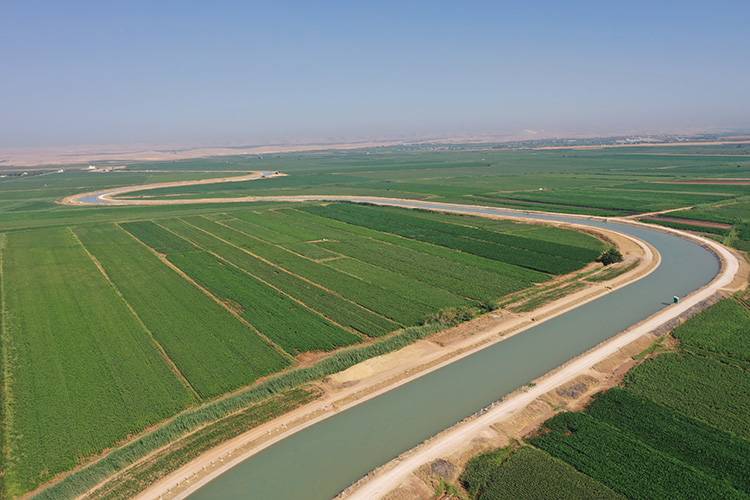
610,256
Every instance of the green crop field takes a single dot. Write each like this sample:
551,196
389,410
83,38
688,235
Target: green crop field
701,387
677,428
723,329
211,348
547,256
625,464
699,444
199,301
83,373
274,314
607,182
528,474
207,303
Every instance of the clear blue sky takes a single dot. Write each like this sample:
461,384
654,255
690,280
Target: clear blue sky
207,72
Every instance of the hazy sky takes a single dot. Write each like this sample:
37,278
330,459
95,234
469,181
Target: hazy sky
213,72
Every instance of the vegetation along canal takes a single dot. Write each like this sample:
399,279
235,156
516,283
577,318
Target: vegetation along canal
323,459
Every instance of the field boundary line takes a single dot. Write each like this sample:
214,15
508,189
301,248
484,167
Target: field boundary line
331,223
190,280
341,256
5,360
298,276
282,292
175,369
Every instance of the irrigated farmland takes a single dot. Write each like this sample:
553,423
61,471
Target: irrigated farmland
678,428
125,328
210,347
547,257
83,373
292,326
173,312
527,473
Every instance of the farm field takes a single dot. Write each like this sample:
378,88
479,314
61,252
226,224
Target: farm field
615,181
200,303
73,349
735,213
528,473
212,349
677,428
209,301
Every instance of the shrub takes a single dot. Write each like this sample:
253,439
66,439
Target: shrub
610,256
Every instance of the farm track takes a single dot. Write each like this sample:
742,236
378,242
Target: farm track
388,478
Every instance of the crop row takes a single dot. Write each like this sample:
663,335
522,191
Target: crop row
158,239
382,301
435,271
729,213
502,200
541,232
666,186
405,265
543,256
398,283
543,239
625,200
84,372
414,291
339,230
695,443
624,463
282,226
723,329
211,348
403,286
286,322
338,308
688,226
528,473
698,386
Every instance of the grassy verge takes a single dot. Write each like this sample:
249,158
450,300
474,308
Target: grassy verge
546,298
183,451
612,272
